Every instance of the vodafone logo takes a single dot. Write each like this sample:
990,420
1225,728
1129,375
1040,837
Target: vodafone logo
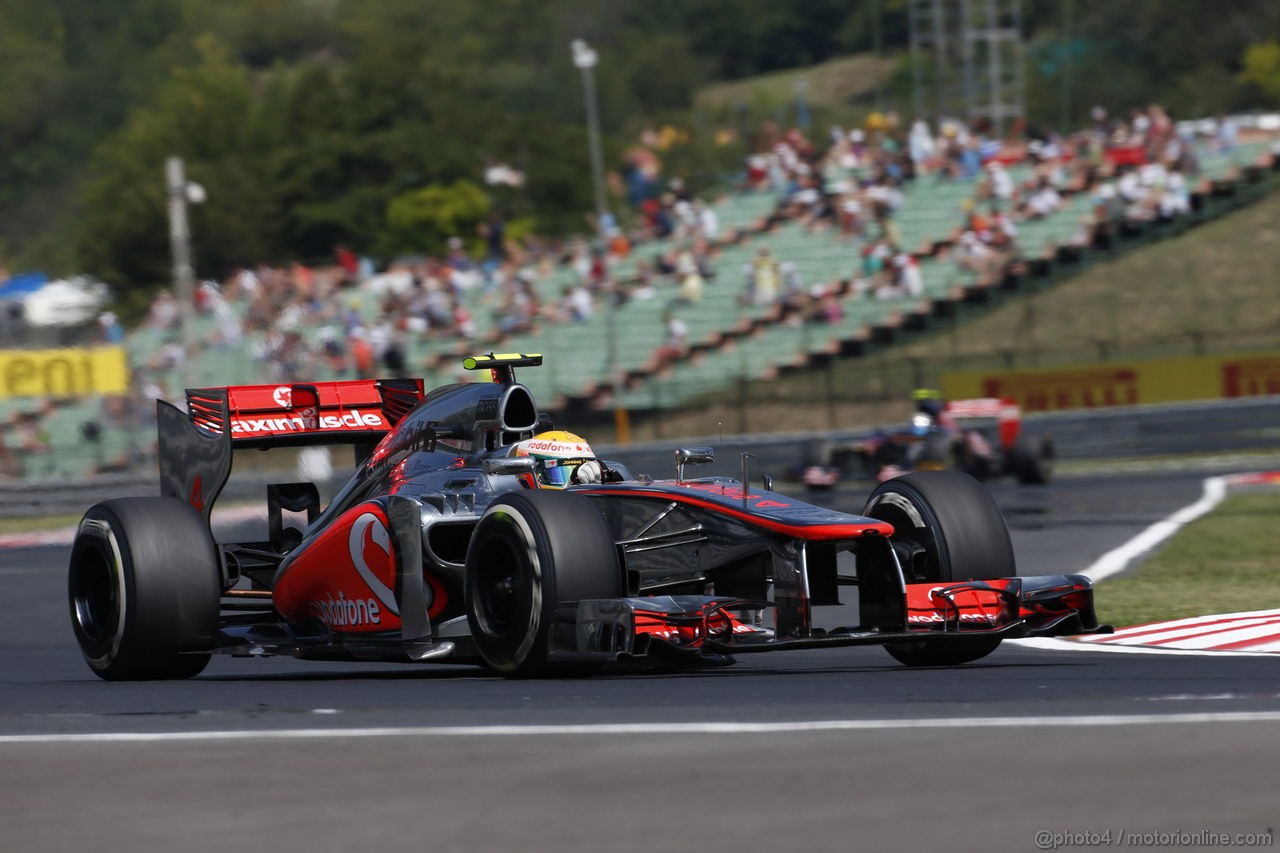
283,396
341,612
964,617
555,447
369,544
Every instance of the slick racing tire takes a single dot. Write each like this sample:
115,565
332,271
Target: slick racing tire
144,587
955,532
1030,462
531,552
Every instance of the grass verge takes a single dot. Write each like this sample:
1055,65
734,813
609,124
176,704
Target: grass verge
32,524
1225,562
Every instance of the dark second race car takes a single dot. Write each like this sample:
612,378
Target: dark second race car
453,542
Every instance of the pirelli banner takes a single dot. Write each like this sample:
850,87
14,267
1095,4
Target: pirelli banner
1125,383
63,372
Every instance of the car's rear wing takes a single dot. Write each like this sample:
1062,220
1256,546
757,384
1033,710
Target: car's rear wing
196,445
1005,413
346,412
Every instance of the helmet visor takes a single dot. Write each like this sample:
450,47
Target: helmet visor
557,473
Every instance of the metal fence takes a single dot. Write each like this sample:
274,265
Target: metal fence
1099,434
1131,432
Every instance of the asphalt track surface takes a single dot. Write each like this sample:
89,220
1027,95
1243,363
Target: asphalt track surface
833,749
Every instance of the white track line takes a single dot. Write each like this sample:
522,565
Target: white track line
1117,559
620,729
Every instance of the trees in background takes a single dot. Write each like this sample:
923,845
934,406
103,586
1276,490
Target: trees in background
315,123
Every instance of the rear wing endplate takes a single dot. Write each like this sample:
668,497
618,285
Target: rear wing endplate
196,445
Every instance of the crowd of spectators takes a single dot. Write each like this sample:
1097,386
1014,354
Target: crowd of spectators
852,186
1136,169
342,320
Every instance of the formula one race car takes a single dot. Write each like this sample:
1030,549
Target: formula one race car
981,437
443,547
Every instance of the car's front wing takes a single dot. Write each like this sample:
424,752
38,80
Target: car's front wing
691,626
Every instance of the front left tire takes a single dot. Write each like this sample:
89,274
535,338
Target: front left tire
951,523
531,552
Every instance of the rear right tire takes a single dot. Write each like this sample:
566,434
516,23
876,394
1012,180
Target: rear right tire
1031,462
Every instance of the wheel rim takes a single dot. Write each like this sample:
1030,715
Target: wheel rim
500,585
95,596
909,521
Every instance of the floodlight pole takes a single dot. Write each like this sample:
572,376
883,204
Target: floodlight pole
180,246
584,59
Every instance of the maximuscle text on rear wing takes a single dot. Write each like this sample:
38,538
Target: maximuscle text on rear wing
195,446
345,412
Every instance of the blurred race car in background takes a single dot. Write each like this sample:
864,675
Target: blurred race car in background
982,437
447,545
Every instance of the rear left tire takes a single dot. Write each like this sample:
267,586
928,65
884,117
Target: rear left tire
144,587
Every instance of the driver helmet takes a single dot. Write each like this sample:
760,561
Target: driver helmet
557,455
928,402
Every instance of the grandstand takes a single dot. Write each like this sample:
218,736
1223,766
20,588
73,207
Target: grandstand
730,339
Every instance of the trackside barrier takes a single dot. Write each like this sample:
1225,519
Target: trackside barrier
1246,425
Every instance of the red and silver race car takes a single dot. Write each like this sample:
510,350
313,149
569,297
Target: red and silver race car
981,437
438,550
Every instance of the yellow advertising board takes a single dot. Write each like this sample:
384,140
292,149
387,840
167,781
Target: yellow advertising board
63,372
1124,383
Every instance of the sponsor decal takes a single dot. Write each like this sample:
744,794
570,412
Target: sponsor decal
343,612
1251,377
731,492
307,421
735,493
1156,381
459,485
1074,389
369,542
196,498
60,372
283,396
555,447
964,617
926,611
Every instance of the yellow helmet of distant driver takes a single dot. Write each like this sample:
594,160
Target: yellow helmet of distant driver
557,455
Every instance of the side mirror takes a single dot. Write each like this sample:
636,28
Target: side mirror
508,465
692,456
